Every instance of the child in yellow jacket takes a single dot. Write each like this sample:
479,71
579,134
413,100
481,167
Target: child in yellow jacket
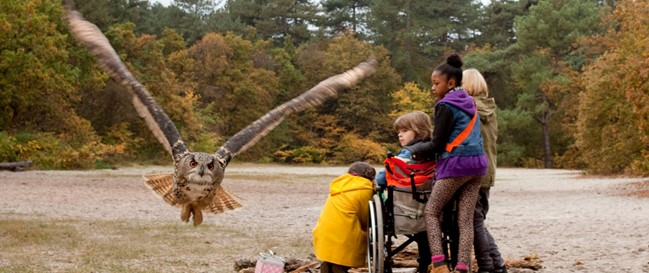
340,236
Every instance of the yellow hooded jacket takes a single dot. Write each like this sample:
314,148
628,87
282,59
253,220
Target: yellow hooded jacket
340,236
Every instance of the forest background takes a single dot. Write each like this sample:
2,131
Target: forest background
570,77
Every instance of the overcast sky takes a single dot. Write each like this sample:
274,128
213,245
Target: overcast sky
163,2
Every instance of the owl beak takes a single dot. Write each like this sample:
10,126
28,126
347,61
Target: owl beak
201,170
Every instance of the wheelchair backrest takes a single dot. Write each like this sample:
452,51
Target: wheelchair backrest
401,174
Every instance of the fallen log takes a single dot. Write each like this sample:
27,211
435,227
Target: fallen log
15,166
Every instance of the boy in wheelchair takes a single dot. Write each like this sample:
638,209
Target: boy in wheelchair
405,209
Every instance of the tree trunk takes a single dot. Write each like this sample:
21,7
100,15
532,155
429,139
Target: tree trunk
547,149
354,20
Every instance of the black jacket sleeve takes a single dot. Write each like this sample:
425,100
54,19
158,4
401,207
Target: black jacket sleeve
428,150
444,121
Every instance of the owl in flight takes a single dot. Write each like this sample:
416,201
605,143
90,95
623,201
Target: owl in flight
195,184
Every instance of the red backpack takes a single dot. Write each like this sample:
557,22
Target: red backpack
401,174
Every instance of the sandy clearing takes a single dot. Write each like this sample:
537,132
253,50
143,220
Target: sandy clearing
574,223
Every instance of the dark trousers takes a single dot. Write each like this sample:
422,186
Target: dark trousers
486,250
423,259
327,267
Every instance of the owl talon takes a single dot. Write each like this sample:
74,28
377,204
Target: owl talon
198,215
185,213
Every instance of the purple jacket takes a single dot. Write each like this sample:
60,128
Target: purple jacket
468,158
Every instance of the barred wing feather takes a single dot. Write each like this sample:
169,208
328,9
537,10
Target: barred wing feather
162,185
223,201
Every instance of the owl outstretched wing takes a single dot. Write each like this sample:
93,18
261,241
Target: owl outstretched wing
162,185
223,201
327,88
158,122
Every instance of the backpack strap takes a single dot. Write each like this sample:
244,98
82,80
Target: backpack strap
464,134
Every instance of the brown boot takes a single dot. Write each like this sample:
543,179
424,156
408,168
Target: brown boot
439,267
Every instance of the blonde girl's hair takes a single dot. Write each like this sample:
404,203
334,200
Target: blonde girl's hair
417,121
474,83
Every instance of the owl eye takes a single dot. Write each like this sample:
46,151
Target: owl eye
193,164
210,166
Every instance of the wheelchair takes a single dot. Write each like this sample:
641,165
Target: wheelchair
398,210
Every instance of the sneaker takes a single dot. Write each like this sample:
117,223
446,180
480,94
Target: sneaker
500,270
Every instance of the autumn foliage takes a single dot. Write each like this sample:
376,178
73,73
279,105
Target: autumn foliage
613,123
570,78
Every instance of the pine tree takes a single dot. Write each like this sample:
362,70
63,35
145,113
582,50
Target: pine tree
420,33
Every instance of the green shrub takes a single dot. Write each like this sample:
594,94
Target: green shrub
8,148
639,166
301,155
49,152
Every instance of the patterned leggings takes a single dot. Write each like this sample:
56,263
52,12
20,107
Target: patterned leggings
443,191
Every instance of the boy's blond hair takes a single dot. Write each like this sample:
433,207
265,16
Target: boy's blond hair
417,121
474,83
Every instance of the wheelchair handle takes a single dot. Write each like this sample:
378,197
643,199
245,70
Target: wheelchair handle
387,166
416,196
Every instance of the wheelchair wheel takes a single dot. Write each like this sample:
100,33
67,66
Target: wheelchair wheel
376,237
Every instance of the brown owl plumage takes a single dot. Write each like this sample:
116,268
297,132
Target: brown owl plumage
195,184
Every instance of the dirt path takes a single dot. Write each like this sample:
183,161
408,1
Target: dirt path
574,224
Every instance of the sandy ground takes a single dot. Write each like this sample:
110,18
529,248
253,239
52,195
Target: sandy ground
573,223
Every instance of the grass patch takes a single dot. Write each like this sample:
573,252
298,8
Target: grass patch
22,265
41,245
21,233
103,165
111,246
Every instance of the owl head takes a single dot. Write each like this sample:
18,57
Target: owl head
199,168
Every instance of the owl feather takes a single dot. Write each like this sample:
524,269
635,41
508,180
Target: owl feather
179,188
162,184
